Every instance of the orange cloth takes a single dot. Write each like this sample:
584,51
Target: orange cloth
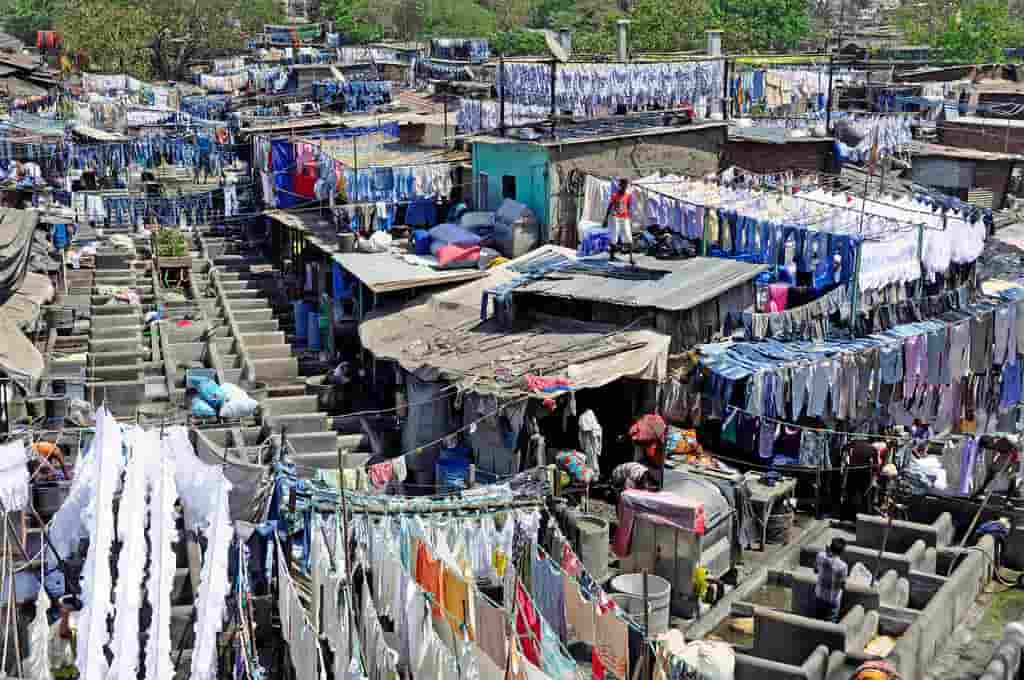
456,603
429,574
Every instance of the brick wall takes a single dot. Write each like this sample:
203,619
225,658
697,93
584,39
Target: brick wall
994,139
767,158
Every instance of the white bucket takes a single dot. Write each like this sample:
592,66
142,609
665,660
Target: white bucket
630,588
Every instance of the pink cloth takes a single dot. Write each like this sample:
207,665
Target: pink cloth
570,563
381,473
778,295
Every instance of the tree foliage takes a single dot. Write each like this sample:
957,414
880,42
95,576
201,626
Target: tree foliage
762,25
967,32
158,39
22,18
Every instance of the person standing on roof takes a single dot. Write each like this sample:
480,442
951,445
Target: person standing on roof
618,219
832,572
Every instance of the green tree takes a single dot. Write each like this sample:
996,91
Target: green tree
159,39
972,32
762,25
353,20
115,37
22,18
668,25
518,42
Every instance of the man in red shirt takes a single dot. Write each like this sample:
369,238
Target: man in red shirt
618,219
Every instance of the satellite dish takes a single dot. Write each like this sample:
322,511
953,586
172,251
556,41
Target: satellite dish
555,45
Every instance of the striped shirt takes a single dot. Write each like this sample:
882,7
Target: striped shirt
832,572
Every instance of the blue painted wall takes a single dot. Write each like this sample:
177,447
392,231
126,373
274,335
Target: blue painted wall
528,163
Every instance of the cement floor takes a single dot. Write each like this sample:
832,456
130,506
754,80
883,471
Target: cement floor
976,638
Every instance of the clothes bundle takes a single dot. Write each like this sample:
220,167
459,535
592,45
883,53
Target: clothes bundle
355,95
351,55
48,40
227,65
810,321
961,368
476,115
595,90
94,82
429,69
887,135
293,35
167,211
476,50
224,83
422,575
206,107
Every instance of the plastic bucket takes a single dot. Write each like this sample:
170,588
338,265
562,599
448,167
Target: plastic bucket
592,545
630,589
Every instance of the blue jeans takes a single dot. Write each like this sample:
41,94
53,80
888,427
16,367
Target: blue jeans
826,611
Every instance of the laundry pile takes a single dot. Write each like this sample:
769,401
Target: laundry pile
599,90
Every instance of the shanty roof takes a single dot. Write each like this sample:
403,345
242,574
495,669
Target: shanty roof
603,129
770,135
927,149
441,337
666,285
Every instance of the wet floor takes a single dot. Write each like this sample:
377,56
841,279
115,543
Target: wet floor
976,638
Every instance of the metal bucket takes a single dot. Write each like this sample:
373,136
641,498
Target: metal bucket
346,242
323,391
56,407
630,596
592,545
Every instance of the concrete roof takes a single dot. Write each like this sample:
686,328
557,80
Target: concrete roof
925,149
673,285
604,129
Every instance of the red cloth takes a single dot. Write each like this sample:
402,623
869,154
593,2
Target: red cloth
570,563
304,182
455,254
527,626
539,383
650,428
596,667
621,203
778,294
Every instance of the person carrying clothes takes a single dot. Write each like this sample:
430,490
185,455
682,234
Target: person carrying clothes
617,217
832,572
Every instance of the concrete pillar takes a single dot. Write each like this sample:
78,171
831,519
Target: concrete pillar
623,25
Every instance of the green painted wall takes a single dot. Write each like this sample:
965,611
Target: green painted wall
528,163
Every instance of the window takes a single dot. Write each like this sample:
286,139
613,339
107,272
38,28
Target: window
481,191
508,187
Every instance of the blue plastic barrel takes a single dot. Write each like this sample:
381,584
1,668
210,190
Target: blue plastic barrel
313,339
301,319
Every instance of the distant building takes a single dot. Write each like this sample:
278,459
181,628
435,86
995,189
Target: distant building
539,171
981,178
766,150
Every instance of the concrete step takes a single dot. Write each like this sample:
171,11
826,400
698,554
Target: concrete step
273,370
126,344
291,406
297,423
248,327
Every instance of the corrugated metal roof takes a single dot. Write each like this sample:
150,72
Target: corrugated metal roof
681,284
